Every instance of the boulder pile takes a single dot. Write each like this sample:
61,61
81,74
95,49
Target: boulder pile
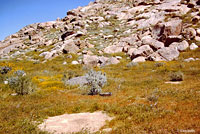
155,30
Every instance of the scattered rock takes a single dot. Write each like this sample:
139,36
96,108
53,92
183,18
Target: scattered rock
75,62
144,50
198,31
189,59
197,38
155,57
193,46
70,47
90,60
139,59
64,63
106,94
182,46
147,40
190,33
168,53
113,49
173,82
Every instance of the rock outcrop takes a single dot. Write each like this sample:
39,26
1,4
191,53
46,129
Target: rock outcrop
144,30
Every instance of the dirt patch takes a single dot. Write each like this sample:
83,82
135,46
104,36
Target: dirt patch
72,123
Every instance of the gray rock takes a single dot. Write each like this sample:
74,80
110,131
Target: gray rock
190,33
112,60
169,53
155,57
70,47
113,49
182,46
90,60
147,40
173,27
144,50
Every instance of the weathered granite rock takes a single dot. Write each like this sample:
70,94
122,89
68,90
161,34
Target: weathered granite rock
144,50
70,47
169,53
182,46
139,59
90,60
113,49
147,40
193,46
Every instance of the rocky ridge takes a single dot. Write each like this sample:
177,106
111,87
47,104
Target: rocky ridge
155,30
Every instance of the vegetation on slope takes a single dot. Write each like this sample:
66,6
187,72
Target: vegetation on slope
141,101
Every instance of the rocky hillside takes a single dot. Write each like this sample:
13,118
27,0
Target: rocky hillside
155,30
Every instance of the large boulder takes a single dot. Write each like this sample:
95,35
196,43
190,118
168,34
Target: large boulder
103,61
112,60
173,27
90,60
168,53
144,50
147,40
182,46
190,33
155,57
70,47
113,49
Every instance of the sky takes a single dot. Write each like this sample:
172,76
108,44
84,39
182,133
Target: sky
15,14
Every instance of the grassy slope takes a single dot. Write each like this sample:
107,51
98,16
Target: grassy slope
134,91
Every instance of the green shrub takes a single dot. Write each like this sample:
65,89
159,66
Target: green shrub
176,76
20,83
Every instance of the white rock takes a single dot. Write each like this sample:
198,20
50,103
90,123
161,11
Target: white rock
197,38
189,59
118,57
64,63
6,82
113,49
182,46
169,53
139,59
193,46
198,31
75,62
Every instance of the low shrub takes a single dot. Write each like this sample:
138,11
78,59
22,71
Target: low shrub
20,83
96,80
159,64
176,76
132,64
5,69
